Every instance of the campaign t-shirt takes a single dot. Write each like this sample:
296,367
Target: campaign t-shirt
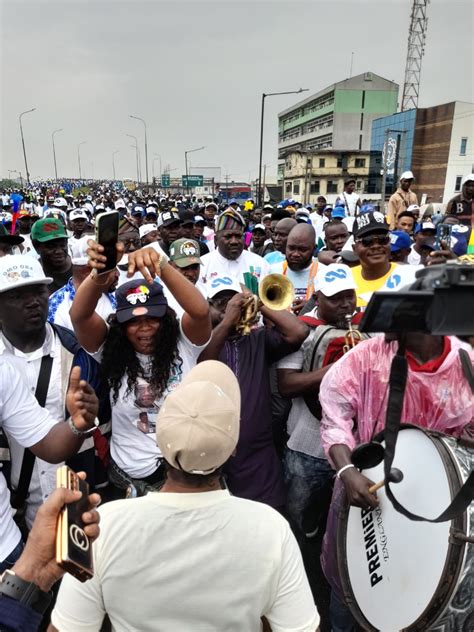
302,280
365,287
274,257
133,441
215,265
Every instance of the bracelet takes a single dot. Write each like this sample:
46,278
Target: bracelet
82,433
343,469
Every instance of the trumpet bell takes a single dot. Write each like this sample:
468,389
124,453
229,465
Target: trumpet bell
276,291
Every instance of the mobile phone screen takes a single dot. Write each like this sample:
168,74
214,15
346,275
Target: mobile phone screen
107,225
443,233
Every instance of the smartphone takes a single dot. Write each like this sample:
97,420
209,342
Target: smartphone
106,234
443,233
73,547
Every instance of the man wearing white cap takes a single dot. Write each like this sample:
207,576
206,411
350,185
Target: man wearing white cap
461,205
78,220
191,556
60,302
401,199
308,475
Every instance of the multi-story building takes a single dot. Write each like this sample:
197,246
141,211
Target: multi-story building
338,117
308,175
436,143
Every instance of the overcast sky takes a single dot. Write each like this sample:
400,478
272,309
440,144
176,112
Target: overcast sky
195,71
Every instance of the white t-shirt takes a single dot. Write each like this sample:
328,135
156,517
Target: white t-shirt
413,258
318,222
349,201
23,419
61,316
198,562
208,236
133,440
215,265
301,279
43,478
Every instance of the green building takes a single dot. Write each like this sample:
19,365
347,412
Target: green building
338,117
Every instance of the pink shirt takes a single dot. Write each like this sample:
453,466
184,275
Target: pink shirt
356,388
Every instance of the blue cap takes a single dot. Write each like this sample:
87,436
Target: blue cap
338,212
399,240
425,226
233,201
367,208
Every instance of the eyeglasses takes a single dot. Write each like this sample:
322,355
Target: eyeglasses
372,240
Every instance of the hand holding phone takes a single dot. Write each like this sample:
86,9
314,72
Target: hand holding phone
443,234
106,234
73,546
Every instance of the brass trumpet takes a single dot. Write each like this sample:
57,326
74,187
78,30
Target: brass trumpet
352,337
275,291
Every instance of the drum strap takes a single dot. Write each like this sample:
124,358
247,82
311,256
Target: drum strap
397,383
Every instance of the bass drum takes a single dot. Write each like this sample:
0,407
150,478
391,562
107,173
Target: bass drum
399,574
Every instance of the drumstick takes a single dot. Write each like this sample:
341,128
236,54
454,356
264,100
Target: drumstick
395,476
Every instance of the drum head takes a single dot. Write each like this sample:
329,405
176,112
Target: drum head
393,569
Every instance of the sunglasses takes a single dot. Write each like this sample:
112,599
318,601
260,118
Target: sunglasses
371,240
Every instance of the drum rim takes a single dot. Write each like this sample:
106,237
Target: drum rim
454,556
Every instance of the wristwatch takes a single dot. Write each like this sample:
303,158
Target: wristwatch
82,433
27,593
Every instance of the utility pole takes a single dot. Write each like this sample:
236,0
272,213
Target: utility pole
79,157
136,152
23,143
113,161
146,144
54,152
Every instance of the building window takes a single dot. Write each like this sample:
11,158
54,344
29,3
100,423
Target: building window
339,162
332,187
288,187
360,163
360,185
462,150
296,188
322,163
458,183
314,187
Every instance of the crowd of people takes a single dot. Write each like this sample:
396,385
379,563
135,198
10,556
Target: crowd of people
217,525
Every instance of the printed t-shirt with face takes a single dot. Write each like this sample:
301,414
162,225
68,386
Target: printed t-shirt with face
133,441
303,280
365,287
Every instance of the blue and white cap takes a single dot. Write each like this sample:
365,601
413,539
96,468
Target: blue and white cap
221,284
334,278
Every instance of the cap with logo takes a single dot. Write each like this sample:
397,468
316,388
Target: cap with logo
222,284
399,240
151,210
184,253
48,229
335,278
338,212
5,237
20,270
302,213
198,424
78,213
60,202
369,223
139,298
169,217
424,226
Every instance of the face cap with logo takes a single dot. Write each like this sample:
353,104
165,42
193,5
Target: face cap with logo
169,217
198,425
184,253
335,278
139,298
222,284
369,223
20,270
399,240
48,229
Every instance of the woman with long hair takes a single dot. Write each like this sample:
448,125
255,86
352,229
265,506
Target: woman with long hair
144,351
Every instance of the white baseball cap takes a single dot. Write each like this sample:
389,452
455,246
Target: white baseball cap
78,250
468,178
407,175
335,278
198,424
221,284
413,207
147,228
20,270
78,213
61,202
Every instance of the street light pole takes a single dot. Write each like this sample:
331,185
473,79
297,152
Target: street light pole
54,152
136,151
156,157
23,143
189,151
262,116
146,144
79,157
113,161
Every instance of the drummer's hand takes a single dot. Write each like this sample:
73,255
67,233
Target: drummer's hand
357,489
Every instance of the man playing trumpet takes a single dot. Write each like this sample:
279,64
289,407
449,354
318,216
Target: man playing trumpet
255,470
